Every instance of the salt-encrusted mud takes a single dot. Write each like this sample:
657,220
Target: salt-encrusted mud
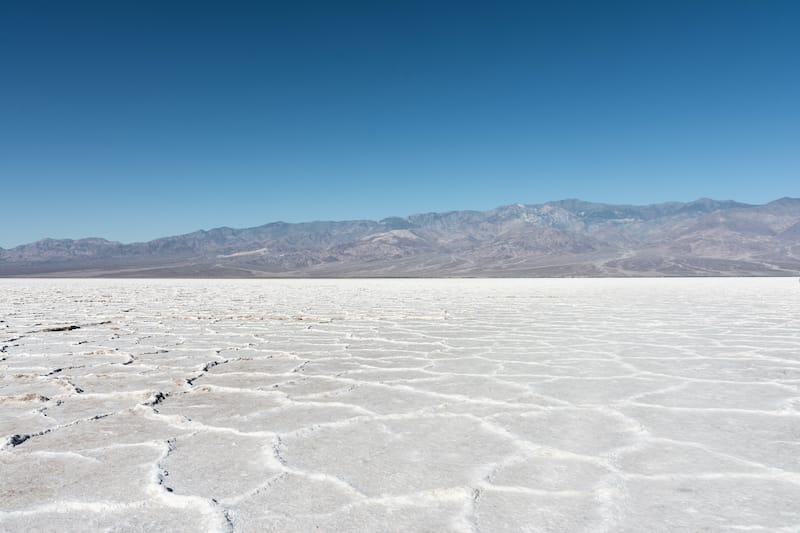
400,405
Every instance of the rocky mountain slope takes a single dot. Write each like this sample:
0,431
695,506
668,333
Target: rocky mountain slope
563,238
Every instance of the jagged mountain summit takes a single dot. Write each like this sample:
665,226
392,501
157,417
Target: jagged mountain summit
556,239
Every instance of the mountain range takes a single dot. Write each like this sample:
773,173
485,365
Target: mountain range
555,239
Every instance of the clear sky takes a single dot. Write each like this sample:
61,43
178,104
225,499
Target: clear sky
132,120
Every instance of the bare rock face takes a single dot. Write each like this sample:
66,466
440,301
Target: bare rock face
564,238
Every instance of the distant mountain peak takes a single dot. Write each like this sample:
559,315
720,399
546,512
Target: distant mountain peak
568,237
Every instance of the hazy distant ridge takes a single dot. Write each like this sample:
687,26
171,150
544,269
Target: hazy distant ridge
562,238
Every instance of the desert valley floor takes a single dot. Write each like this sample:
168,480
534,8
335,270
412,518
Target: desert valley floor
400,405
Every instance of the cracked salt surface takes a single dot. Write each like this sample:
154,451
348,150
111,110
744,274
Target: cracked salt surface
400,405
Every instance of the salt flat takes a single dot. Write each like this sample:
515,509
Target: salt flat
400,405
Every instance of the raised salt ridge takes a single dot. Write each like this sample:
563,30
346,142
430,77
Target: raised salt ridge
400,405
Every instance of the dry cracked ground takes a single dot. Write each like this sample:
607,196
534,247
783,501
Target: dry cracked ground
400,405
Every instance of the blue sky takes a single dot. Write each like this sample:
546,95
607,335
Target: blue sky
133,120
